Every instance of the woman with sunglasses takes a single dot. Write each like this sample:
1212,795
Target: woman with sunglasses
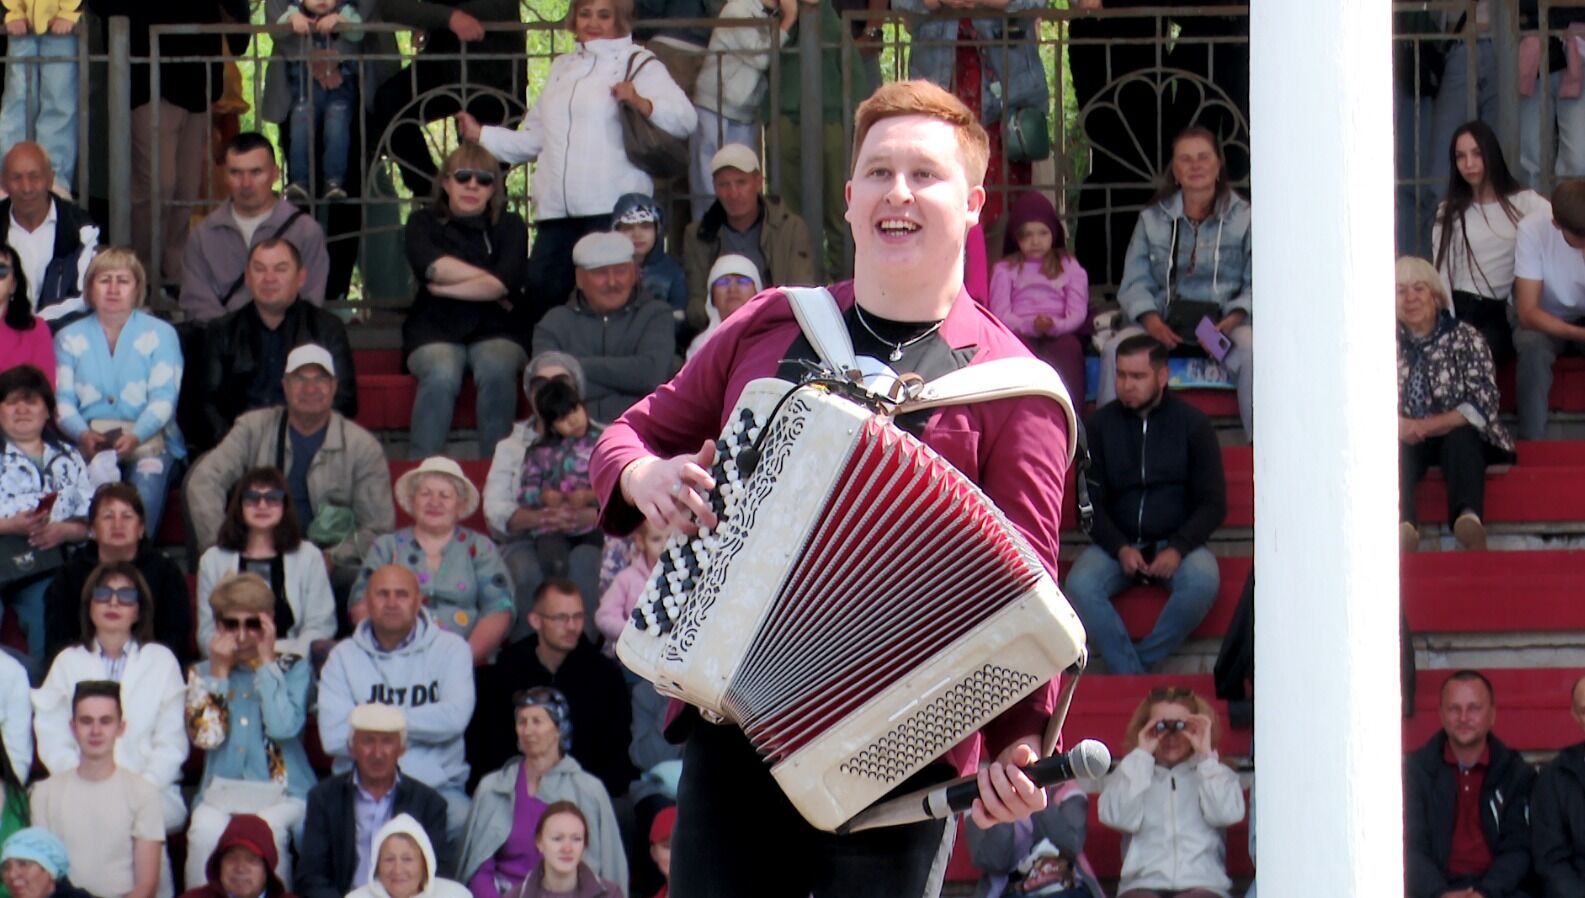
734,280
120,377
511,521
116,533
24,337
246,707
37,462
499,849
469,314
1174,799
118,629
260,535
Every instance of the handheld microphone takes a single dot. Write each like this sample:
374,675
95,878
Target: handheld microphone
1087,760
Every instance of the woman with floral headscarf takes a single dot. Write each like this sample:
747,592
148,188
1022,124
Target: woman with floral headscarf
498,849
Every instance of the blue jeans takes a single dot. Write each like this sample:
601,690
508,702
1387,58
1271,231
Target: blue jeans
1097,576
152,478
327,113
44,93
28,600
1569,116
439,367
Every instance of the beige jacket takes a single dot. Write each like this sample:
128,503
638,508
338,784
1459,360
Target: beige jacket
349,469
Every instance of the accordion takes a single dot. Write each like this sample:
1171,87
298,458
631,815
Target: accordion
860,607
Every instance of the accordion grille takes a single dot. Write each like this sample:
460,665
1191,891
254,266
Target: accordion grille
909,556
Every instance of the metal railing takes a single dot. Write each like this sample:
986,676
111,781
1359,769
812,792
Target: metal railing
1120,82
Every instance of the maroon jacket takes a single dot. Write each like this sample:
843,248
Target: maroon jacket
1015,449
254,834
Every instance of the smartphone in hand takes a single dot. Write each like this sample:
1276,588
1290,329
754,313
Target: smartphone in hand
1214,342
46,504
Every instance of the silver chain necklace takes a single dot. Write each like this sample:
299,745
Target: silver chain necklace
897,348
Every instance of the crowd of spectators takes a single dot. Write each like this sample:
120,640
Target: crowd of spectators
482,738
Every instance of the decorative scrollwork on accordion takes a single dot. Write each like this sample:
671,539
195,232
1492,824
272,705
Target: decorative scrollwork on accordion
941,724
776,451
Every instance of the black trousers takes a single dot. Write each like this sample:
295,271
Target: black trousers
1463,457
1490,317
737,835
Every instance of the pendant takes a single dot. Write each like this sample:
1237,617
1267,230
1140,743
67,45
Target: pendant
897,353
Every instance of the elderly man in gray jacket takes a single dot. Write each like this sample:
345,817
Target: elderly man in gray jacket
622,337
333,467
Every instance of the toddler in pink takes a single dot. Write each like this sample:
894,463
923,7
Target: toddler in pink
617,604
1040,291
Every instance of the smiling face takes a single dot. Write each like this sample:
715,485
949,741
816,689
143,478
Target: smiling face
401,868
910,204
437,503
596,20
26,879
561,840
1417,306
263,506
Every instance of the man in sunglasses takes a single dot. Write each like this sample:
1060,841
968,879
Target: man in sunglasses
243,364
621,335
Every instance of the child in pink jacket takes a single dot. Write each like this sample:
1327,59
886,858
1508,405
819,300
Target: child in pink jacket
617,604
1041,292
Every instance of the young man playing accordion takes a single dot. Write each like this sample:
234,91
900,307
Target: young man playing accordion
916,189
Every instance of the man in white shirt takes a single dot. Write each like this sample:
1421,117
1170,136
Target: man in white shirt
215,260
109,818
1549,299
54,238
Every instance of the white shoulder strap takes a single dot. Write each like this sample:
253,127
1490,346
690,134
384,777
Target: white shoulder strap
999,379
821,321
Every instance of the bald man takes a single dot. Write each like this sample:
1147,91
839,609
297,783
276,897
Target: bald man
397,656
1557,813
54,238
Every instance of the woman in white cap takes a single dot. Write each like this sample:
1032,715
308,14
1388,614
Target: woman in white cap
734,280
466,250
404,865
458,570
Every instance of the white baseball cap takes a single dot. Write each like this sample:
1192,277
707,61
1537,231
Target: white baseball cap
310,354
734,155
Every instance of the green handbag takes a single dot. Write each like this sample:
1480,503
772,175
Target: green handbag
1026,138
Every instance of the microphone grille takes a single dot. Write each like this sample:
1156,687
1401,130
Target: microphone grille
1091,759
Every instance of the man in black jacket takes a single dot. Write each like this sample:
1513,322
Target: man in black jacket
558,654
1466,801
1159,492
335,855
53,238
244,352
1557,814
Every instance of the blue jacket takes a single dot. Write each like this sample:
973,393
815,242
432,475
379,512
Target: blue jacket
140,381
250,725
1016,74
1222,267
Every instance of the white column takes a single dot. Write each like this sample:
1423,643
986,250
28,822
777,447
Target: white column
1327,710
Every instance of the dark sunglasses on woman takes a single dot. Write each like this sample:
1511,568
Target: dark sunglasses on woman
470,175
233,624
268,497
121,595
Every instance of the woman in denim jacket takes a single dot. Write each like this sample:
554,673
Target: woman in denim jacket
1192,245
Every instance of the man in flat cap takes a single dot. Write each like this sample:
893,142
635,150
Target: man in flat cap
346,810
623,338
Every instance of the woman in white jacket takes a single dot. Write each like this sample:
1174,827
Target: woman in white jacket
260,535
1174,798
118,623
404,865
731,89
574,132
